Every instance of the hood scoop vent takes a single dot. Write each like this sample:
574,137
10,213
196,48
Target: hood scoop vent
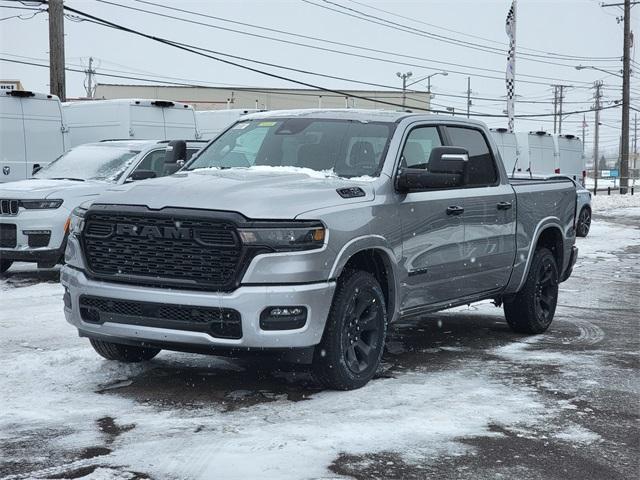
351,192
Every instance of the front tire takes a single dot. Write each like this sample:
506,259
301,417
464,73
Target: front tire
531,310
123,353
584,222
351,348
5,265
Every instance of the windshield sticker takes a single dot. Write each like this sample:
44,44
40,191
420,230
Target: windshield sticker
266,124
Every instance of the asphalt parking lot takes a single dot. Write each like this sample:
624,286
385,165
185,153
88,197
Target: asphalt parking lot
460,395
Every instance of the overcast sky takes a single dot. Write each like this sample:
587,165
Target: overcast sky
572,28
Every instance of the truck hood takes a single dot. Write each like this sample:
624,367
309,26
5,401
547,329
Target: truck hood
41,189
255,193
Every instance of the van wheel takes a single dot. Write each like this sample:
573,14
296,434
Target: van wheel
584,222
533,307
351,348
123,353
5,265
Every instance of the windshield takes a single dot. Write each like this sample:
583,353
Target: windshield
345,148
89,162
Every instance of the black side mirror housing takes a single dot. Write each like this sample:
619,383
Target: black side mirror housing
446,169
36,168
142,175
175,156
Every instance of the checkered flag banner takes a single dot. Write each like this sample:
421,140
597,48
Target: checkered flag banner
511,64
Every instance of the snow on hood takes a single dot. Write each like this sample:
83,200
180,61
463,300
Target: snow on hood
256,192
45,188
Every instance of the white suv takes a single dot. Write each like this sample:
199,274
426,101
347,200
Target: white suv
34,213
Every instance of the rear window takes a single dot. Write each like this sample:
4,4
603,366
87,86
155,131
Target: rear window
481,170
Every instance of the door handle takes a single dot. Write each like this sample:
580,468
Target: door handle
504,205
455,210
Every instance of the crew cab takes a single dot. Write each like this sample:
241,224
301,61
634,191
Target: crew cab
34,213
310,232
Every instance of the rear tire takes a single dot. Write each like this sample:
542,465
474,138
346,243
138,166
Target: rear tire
532,309
123,353
584,222
353,342
5,265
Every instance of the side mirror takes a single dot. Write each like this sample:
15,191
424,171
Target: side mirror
174,157
446,169
36,168
142,175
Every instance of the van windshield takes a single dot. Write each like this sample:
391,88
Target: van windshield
345,148
90,162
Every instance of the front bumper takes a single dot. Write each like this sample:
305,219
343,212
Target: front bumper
52,221
249,301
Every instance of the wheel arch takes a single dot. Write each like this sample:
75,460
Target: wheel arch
373,255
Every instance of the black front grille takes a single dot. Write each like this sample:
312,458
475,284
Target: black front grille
218,322
8,237
9,207
163,250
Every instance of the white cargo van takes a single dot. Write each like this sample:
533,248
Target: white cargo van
128,119
537,153
213,122
31,133
509,150
571,160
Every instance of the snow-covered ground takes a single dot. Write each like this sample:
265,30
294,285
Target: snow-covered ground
453,382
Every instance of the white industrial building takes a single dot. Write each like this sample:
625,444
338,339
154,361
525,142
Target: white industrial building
218,98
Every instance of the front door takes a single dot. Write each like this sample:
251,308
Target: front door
432,231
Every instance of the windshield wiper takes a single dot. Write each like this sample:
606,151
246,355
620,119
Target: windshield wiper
67,178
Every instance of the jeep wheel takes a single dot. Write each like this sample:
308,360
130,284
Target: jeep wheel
353,341
5,265
123,353
584,222
533,307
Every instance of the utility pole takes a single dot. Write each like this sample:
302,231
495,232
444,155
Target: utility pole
56,49
404,77
635,141
90,72
584,131
598,86
560,99
468,97
555,108
626,74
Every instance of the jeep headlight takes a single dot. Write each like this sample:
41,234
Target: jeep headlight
284,236
41,204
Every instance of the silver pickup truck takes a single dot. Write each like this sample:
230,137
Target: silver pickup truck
311,231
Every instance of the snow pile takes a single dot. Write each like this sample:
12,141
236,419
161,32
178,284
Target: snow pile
602,202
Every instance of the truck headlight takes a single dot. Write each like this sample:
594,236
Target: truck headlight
76,221
284,237
41,204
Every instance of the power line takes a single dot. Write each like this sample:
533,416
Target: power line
422,33
502,44
172,16
200,51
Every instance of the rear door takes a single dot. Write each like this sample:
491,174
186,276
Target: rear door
12,142
42,132
179,123
432,239
542,156
147,122
489,216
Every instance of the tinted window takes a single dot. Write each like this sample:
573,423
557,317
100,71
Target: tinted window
481,169
417,149
344,147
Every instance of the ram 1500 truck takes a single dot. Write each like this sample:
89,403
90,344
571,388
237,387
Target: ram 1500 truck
311,231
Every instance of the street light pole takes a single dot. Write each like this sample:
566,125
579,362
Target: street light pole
428,79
